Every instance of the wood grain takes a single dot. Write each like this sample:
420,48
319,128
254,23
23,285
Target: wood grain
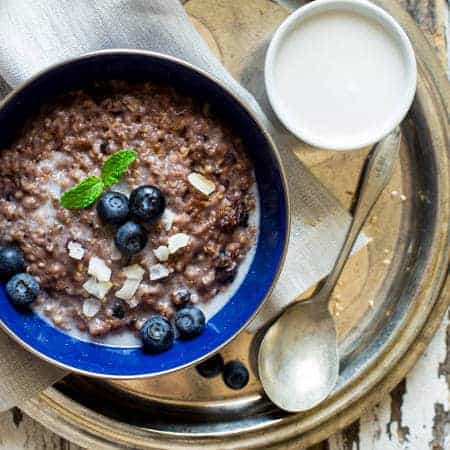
415,416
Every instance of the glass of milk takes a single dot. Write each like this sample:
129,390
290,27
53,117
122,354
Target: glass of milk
340,74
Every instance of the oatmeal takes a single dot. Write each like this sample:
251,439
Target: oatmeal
191,253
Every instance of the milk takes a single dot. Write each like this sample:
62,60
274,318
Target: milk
339,74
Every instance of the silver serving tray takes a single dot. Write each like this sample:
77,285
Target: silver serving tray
389,301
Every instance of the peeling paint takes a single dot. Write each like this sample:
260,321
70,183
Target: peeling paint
351,437
396,414
441,423
416,416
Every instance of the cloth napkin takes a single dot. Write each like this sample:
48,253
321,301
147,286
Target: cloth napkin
35,34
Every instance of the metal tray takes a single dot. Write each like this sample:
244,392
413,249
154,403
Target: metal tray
389,301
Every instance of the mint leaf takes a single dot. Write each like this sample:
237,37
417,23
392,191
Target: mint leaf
88,190
83,194
116,165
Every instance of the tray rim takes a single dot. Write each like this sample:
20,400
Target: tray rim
53,410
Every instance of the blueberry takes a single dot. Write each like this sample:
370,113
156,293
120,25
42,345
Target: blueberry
235,375
147,203
131,238
190,322
113,207
211,367
22,289
11,262
157,334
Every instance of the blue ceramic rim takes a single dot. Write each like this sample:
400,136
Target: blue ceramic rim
229,331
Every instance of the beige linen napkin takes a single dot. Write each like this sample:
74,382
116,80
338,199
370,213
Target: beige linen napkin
35,34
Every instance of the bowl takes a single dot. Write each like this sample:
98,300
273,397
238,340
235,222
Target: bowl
340,74
99,360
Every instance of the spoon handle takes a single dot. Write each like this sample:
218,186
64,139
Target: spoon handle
375,178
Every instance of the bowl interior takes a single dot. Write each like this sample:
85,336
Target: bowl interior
105,361
357,139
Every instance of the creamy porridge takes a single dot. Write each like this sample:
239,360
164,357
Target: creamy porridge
196,250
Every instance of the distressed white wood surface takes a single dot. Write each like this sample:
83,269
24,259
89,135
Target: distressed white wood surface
415,416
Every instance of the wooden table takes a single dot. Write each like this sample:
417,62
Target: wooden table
415,416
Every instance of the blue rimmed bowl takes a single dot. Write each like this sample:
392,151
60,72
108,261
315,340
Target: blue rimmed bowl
99,360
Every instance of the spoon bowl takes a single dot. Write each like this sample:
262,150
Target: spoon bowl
309,329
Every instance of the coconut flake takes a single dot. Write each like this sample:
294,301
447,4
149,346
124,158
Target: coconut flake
128,289
178,241
96,288
76,250
167,219
98,269
158,271
201,183
115,252
91,306
162,253
134,272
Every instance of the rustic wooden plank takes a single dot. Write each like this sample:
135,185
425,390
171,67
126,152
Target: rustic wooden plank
416,415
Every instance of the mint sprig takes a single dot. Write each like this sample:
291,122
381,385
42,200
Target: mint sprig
90,188
83,194
116,165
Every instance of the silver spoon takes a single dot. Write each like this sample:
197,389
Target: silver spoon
298,357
